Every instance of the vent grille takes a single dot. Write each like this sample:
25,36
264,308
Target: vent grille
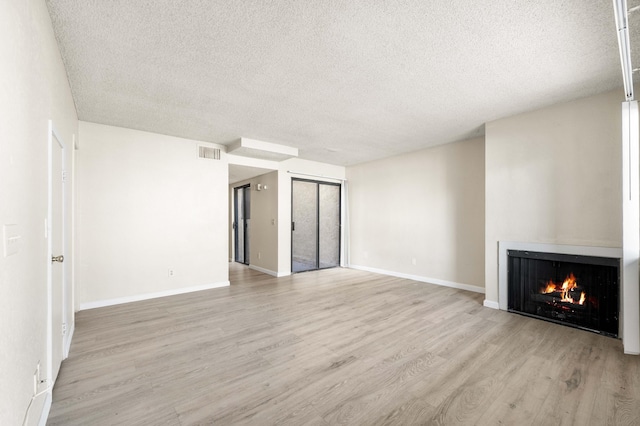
208,153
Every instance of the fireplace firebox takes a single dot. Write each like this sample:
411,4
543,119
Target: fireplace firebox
578,291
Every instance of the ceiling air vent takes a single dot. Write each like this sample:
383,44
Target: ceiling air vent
207,152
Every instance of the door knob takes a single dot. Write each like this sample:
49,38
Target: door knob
57,258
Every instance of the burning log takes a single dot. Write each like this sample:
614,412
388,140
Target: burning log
567,292
556,299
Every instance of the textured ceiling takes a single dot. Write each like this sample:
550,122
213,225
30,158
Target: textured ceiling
345,81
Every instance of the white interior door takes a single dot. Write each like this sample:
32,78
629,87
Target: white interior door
56,281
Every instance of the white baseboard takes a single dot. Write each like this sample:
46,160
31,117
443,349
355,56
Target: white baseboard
137,298
491,304
44,416
269,271
67,345
263,270
436,281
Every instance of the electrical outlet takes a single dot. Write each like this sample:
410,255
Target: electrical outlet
259,255
170,273
413,261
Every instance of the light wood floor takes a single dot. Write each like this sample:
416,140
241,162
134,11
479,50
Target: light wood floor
337,347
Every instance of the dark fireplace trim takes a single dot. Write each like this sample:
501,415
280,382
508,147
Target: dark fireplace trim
574,258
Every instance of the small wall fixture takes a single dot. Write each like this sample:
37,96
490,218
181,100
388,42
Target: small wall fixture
260,187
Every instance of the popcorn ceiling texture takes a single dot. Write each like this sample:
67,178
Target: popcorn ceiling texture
345,81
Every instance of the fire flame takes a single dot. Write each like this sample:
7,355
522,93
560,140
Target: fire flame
583,297
564,289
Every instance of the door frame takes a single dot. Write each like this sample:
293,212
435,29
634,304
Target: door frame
318,183
246,187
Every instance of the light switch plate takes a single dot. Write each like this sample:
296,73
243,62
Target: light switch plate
11,239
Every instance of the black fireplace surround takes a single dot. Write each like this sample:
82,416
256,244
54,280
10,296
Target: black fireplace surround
574,290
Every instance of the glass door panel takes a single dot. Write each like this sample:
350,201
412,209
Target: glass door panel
329,229
304,226
242,208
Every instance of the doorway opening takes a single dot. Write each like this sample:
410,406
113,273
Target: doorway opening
315,225
241,218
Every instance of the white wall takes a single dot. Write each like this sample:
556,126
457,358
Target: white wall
263,232
147,204
428,206
554,176
33,90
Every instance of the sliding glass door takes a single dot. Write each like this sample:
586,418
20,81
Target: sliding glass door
315,225
242,215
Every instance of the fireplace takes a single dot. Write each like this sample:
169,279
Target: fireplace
575,290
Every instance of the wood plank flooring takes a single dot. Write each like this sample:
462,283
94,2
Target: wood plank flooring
337,347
